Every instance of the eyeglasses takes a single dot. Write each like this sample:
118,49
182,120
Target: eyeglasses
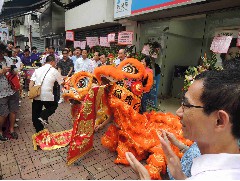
183,104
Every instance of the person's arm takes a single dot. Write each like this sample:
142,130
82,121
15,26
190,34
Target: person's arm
182,147
4,70
31,84
59,78
70,72
173,162
59,70
137,166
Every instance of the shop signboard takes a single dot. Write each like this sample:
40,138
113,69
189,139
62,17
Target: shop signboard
111,37
92,41
104,42
125,38
220,44
76,44
238,40
83,45
123,8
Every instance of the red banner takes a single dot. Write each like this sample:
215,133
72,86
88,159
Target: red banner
70,35
83,128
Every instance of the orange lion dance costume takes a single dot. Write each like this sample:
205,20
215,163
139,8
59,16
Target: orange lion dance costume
131,131
120,96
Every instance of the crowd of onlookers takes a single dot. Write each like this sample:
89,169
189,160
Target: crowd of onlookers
68,62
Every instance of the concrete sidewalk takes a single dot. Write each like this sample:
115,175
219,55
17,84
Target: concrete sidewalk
18,160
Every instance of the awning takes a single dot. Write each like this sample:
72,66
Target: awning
16,8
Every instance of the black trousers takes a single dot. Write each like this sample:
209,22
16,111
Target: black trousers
37,112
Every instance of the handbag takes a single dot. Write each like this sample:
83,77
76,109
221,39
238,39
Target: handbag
35,90
13,81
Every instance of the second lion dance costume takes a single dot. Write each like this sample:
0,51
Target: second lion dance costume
116,92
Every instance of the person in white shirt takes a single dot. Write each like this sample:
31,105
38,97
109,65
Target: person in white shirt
46,98
77,55
210,116
16,60
84,64
121,57
96,60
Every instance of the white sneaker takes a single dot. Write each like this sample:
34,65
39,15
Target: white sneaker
17,120
43,121
60,101
15,125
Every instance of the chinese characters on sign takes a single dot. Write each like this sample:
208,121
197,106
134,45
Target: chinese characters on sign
104,42
125,38
82,45
111,37
69,35
220,44
92,41
77,44
122,8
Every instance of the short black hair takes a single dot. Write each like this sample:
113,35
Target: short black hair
50,58
78,48
221,90
51,47
10,42
148,61
102,54
65,50
231,64
34,48
17,46
26,50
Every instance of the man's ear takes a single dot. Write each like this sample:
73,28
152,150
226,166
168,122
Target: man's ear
223,119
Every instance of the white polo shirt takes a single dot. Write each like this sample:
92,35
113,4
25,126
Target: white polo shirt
48,83
85,65
216,167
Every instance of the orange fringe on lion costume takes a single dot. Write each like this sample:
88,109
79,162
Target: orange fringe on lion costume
131,131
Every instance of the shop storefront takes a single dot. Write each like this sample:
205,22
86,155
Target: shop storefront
96,21
185,33
52,26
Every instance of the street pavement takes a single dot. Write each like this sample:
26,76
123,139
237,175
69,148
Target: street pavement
19,161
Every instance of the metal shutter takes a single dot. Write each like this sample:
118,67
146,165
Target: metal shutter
39,43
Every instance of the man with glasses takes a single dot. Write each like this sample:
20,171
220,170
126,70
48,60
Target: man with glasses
210,116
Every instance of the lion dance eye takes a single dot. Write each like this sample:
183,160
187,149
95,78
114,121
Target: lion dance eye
130,69
83,82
